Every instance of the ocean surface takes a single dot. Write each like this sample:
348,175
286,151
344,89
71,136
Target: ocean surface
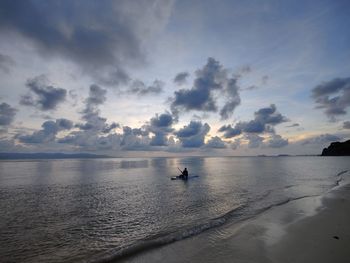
92,210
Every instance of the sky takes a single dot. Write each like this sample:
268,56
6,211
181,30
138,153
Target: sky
174,78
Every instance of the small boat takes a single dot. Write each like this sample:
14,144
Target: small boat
182,178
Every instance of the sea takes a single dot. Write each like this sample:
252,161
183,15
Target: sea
96,210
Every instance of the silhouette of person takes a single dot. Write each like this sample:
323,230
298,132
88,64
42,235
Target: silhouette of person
185,174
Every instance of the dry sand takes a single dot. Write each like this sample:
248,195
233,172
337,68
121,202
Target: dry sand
311,229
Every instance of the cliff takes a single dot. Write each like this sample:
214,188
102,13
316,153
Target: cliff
337,149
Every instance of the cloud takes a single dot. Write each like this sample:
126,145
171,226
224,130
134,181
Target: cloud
160,126
43,96
48,132
254,140
216,143
10,146
139,88
229,131
235,144
100,36
321,139
164,120
245,69
113,78
91,113
276,141
109,127
333,96
97,96
6,62
293,125
7,114
200,97
269,115
193,134
135,139
63,124
264,79
264,120
95,133
88,141
181,78
346,125
252,87
233,99
210,79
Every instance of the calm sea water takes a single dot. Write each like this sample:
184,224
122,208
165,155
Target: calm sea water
89,210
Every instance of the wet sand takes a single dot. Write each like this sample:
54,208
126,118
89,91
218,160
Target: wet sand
313,229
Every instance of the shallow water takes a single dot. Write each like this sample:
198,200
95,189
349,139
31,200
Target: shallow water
89,210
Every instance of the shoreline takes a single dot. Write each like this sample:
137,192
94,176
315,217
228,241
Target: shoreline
312,229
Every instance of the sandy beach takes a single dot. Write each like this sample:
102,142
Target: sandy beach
312,229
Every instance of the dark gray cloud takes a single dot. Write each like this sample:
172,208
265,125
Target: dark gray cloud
97,35
200,96
63,124
7,114
139,88
113,78
333,96
321,139
161,126
47,133
42,95
181,78
6,62
346,125
216,143
210,79
97,96
269,115
253,126
264,120
276,141
293,125
109,127
229,131
233,99
193,134
164,120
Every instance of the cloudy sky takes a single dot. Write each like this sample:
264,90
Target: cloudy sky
162,78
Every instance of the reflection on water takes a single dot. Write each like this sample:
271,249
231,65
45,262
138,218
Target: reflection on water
74,210
134,164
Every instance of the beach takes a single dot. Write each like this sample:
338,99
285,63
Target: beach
311,229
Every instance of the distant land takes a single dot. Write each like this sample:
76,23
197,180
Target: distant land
337,149
17,156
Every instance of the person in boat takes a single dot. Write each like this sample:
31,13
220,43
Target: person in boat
185,174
